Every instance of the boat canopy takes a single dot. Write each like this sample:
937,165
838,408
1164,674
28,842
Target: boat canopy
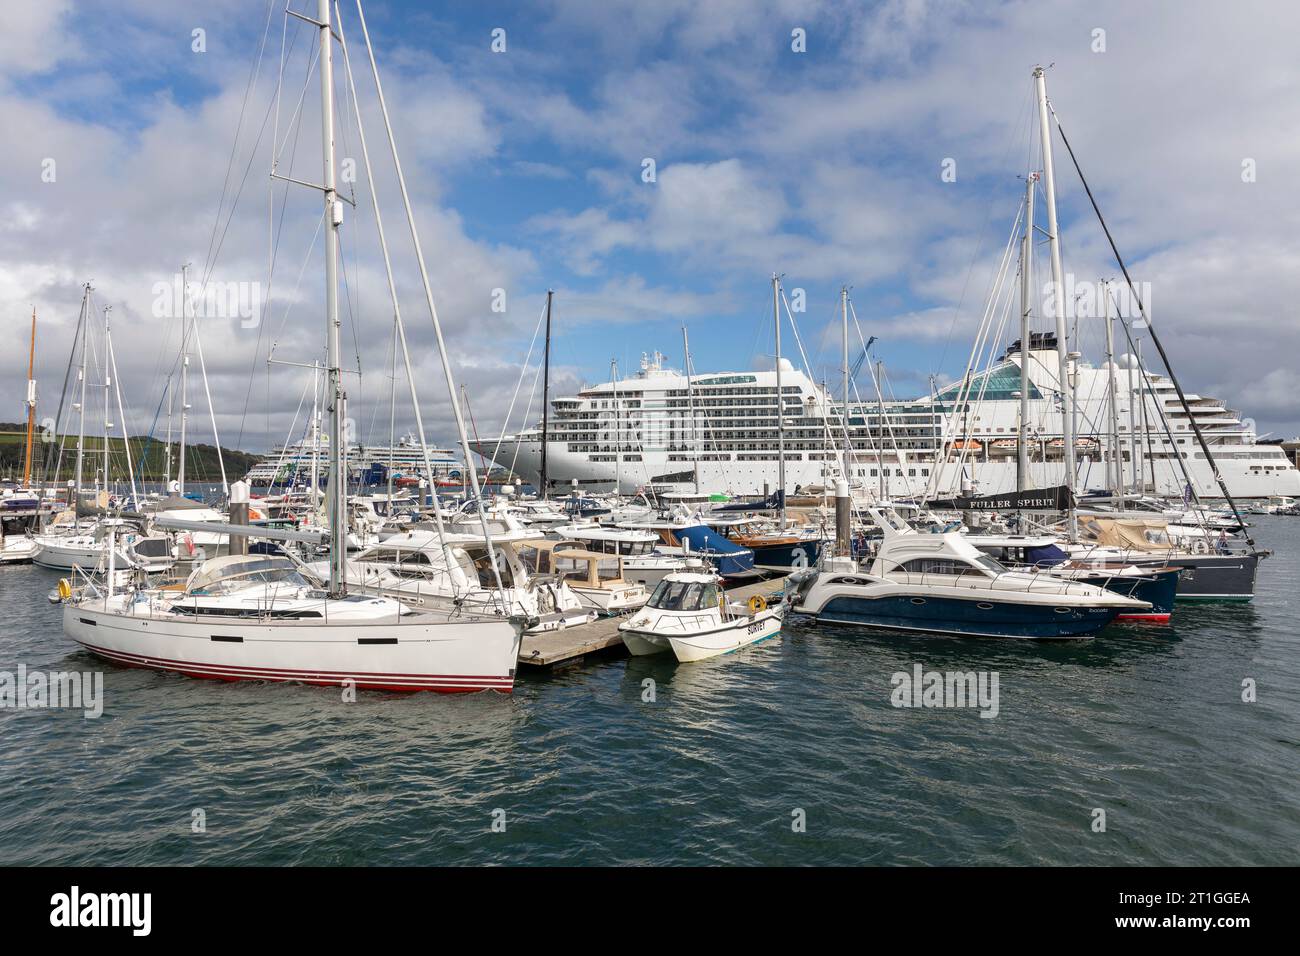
1142,534
216,571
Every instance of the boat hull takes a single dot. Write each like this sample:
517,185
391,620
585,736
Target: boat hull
451,656
1159,589
700,647
966,618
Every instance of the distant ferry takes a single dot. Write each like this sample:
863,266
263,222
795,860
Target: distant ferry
718,432
367,464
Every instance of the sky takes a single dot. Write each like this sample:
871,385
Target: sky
888,154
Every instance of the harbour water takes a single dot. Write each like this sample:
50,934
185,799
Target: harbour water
1146,723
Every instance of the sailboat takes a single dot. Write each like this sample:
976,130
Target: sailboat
265,618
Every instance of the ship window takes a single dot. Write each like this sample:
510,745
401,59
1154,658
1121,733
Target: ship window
946,566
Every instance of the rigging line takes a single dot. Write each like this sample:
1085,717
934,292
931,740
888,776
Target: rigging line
1022,119
215,254
523,370
234,146
1155,340
963,391
277,233
275,342
59,426
802,354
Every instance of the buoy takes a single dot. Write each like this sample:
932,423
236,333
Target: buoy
757,603
65,589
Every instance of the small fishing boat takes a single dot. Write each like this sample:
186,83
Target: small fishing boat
689,615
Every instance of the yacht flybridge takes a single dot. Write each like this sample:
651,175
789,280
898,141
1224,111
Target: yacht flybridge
252,617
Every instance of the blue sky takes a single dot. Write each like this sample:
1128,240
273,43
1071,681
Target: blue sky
525,167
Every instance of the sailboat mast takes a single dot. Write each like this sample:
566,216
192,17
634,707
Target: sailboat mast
334,397
1116,470
844,411
618,436
690,409
108,391
185,376
1026,309
1058,297
780,398
81,401
31,406
546,392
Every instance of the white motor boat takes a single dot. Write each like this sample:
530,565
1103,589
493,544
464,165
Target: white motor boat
943,584
415,568
17,549
603,591
89,550
643,557
689,615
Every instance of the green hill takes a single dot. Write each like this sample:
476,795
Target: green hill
200,460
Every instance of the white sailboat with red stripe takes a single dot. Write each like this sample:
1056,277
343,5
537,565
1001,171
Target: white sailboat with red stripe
254,617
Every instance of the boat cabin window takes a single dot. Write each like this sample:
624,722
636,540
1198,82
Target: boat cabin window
952,567
683,596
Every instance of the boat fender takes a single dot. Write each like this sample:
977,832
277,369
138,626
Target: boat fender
757,604
65,589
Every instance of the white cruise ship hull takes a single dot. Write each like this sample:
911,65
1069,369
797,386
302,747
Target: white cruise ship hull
1244,477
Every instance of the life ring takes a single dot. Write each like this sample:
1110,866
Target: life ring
65,589
757,604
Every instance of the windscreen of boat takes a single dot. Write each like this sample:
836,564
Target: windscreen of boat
236,571
683,596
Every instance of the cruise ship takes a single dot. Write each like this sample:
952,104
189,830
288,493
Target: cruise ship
367,464
717,434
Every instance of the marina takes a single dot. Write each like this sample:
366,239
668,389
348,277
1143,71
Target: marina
939,571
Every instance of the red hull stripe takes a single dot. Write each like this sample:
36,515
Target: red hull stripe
381,681
1150,618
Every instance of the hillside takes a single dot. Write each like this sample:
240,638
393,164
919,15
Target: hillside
200,459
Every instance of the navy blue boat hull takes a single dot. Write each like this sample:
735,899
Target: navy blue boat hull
966,618
1158,588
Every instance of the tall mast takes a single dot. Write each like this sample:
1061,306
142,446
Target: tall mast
546,391
844,411
1026,310
334,397
880,443
1115,471
108,390
81,402
167,476
780,398
690,408
31,405
618,437
1135,464
1142,399
185,376
315,431
111,361
1058,297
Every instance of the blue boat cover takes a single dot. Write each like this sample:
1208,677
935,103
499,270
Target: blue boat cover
727,556
1049,555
